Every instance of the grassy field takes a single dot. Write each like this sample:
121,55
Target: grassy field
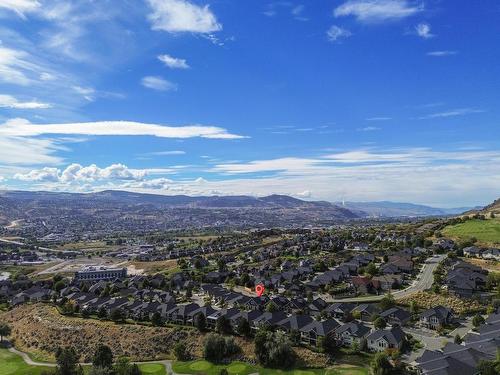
239,368
12,364
485,231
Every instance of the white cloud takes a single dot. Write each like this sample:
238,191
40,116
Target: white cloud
182,16
452,113
441,53
20,6
76,173
23,128
378,10
379,118
28,151
14,66
336,33
168,153
158,83
8,101
423,30
87,92
173,62
368,129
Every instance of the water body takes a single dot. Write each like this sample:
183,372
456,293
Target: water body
4,275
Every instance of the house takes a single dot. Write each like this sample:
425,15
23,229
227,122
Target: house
350,333
383,339
387,282
362,284
366,311
314,330
294,323
436,317
179,314
340,310
396,316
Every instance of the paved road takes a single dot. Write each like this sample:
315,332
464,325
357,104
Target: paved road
424,281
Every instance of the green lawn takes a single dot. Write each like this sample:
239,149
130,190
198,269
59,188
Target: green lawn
12,364
239,368
486,231
152,369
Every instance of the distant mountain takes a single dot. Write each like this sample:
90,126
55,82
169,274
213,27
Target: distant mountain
491,208
395,209
127,211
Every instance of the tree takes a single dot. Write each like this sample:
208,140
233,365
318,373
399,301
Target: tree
371,269
328,344
387,302
181,352
214,348
59,285
103,357
273,349
413,308
243,327
156,319
223,325
5,330
380,323
380,365
200,322
102,313
67,361
124,367
457,340
477,320
117,315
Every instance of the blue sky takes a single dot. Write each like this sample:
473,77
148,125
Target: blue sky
347,99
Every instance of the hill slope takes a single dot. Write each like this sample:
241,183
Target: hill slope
48,212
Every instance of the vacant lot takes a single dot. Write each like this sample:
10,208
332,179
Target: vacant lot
486,232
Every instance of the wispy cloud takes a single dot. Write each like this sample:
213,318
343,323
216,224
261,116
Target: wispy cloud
378,10
173,62
378,118
167,153
8,101
23,128
452,113
158,83
423,30
336,34
20,6
441,53
368,129
182,16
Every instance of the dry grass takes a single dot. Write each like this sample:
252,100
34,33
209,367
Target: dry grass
427,300
490,265
40,329
154,267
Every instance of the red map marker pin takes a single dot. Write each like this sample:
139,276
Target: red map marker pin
259,289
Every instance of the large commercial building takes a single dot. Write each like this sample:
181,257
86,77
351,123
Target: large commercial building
97,273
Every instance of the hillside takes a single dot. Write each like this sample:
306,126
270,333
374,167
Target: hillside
494,207
49,212
486,231
397,209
